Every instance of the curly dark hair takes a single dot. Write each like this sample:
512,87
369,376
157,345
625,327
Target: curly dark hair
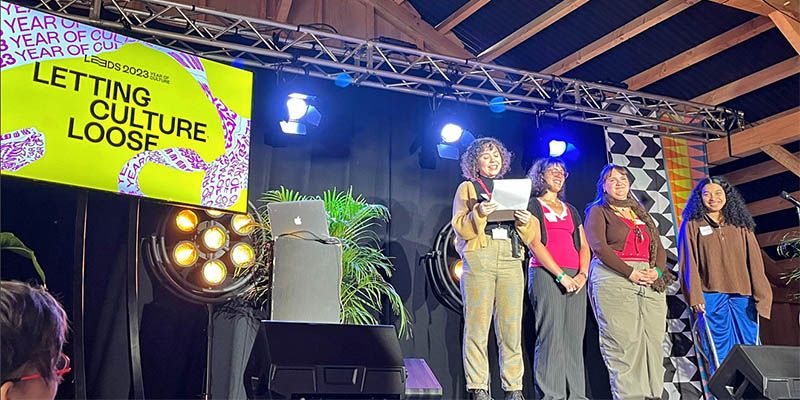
469,160
734,212
536,175
34,327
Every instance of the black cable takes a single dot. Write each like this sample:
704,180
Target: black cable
781,11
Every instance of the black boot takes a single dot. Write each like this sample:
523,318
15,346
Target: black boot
514,395
479,394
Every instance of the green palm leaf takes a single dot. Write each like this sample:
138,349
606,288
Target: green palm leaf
8,241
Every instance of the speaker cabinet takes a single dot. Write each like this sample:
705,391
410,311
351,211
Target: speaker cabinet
325,361
758,372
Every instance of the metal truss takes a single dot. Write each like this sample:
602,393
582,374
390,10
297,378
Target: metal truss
312,51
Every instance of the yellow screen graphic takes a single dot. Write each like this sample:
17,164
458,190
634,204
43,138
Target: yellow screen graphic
86,107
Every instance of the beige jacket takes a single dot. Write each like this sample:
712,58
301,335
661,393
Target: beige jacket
470,227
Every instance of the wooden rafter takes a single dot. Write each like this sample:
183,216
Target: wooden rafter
776,131
788,27
769,205
783,157
755,172
460,15
538,24
751,82
282,9
415,27
619,35
761,7
700,52
775,237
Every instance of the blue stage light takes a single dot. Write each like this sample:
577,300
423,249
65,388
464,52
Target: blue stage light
237,62
451,133
343,80
497,104
300,114
557,148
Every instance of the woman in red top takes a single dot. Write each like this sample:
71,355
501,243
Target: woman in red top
557,274
627,280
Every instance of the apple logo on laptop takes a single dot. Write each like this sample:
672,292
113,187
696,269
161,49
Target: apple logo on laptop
298,220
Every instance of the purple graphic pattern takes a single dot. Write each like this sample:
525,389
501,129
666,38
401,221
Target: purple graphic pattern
20,148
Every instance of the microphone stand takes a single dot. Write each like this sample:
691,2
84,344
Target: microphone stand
796,203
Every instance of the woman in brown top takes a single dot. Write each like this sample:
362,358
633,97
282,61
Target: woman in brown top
722,272
493,282
627,280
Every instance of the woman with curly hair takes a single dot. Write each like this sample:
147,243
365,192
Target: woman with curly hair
722,272
558,271
627,280
492,282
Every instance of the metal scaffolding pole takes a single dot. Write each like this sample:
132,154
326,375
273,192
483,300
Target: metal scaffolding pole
305,50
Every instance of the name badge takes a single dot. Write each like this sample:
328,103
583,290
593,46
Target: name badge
706,230
499,234
551,217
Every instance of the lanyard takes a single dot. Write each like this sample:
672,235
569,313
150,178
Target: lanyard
485,189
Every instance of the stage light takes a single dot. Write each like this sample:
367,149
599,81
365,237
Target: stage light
451,133
457,270
214,272
343,80
186,220
238,63
243,225
243,255
297,107
300,113
214,213
214,238
557,148
185,254
497,104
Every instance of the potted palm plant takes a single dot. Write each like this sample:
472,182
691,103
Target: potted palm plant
10,242
365,268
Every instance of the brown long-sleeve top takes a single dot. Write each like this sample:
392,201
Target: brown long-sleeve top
470,226
724,259
606,232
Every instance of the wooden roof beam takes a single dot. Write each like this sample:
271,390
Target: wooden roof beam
776,131
783,157
282,9
755,172
415,27
769,205
775,237
788,27
460,15
762,7
751,82
700,52
619,35
537,25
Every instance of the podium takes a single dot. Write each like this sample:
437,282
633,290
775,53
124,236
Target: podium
306,279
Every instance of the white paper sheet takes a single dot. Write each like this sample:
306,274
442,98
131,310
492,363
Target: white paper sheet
512,194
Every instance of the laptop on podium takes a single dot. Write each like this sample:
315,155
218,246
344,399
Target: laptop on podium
304,219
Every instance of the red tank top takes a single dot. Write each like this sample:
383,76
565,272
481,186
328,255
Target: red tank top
637,243
560,244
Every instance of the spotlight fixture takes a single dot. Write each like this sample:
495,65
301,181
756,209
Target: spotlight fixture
300,113
560,148
442,266
242,224
498,104
454,139
214,272
207,257
451,133
186,220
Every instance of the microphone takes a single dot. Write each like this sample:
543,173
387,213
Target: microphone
790,199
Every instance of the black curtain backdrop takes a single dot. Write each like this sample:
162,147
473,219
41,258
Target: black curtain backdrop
373,141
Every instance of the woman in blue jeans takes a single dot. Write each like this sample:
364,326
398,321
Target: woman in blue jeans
722,272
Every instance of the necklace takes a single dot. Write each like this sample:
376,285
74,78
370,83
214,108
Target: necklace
622,210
